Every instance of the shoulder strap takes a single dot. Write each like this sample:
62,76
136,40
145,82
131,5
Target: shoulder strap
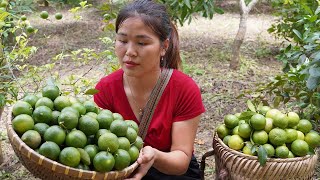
153,101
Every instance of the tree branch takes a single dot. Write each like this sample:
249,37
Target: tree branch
251,5
243,7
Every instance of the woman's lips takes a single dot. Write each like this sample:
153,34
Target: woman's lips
130,64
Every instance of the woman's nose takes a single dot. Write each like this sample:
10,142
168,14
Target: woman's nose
131,50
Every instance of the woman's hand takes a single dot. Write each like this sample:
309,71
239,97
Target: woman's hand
145,161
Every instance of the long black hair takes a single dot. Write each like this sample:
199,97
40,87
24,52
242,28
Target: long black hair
155,16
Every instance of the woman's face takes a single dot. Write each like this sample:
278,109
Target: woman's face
138,48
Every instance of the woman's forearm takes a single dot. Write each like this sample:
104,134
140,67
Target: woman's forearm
171,163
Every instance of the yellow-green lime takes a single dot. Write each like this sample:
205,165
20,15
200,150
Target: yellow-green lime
293,119
277,136
222,131
44,14
131,135
264,109
304,126
70,156
242,122
280,121
31,99
132,124
270,149
247,150
292,135
41,128
76,139
226,139
44,101
51,92
99,133
22,123
104,119
291,155
55,134
58,16
260,137
79,107
103,162
122,159
92,150
32,138
88,125
50,150
22,107
106,111
68,120
124,143
117,116
313,139
299,148
231,121
138,143
244,130
55,117
23,18
269,125
90,106
282,151
73,100
92,114
84,156
61,102
235,142
300,135
258,122
134,153
272,113
119,127
42,114
71,109
235,130
108,142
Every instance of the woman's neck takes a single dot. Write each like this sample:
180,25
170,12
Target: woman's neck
143,84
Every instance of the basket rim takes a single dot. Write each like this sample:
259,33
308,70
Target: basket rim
216,137
13,136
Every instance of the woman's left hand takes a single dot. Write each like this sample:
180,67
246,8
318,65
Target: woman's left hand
145,161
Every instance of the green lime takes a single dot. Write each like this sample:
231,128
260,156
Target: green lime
55,134
122,159
32,138
22,123
41,128
258,122
31,99
222,131
108,142
231,121
88,125
51,92
103,162
277,136
70,156
299,148
42,114
44,101
22,107
119,127
76,139
50,150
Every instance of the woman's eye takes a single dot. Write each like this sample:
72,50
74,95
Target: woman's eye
141,43
122,41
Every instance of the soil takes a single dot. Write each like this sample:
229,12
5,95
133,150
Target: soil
206,48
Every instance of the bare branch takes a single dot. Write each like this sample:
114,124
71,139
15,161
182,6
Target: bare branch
243,7
252,4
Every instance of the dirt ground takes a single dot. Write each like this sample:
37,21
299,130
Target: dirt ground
206,48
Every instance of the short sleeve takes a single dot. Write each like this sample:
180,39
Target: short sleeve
189,101
101,97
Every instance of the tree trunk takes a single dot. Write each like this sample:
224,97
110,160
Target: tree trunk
46,4
235,58
244,13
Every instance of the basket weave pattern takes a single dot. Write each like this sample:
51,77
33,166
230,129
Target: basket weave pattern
48,169
237,165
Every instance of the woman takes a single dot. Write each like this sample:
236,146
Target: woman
147,42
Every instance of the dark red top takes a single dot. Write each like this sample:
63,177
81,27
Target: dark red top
180,101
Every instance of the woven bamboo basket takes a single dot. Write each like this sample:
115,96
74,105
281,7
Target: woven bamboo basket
232,164
48,169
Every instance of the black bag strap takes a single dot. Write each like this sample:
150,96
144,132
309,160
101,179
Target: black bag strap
154,98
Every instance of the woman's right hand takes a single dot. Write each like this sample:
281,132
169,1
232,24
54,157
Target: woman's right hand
146,159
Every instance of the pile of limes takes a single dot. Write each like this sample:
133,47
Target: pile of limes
75,132
278,134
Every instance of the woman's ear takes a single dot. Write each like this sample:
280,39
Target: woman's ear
164,47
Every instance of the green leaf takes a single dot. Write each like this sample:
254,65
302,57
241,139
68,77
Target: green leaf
187,2
312,82
296,32
246,115
262,155
251,106
314,71
51,81
91,91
